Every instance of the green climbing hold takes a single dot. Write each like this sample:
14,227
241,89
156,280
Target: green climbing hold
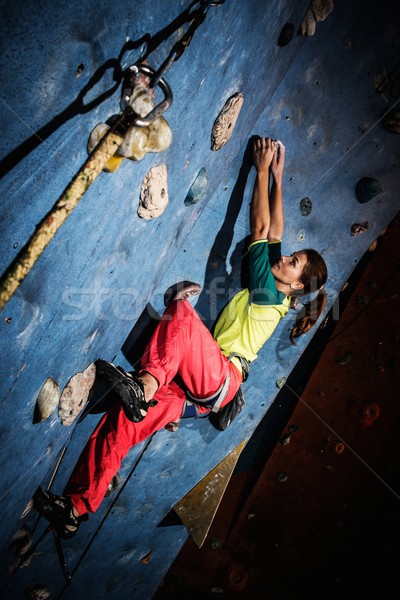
198,188
367,188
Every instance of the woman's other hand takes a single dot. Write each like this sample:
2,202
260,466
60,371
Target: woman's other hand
263,152
278,160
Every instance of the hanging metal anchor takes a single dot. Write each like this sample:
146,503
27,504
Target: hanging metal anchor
157,137
149,131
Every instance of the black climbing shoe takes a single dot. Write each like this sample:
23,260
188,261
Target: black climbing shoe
128,387
181,291
58,511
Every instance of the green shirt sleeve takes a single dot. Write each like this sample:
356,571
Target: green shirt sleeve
262,283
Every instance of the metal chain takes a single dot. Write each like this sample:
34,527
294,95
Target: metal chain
181,45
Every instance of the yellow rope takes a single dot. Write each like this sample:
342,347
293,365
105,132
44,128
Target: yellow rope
49,226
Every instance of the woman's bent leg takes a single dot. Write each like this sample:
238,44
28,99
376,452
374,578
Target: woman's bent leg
182,345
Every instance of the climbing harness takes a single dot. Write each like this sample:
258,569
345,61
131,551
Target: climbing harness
212,402
124,128
224,417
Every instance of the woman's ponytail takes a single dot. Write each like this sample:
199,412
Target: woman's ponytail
308,315
313,277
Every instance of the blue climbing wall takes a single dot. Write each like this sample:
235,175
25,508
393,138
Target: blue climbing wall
93,290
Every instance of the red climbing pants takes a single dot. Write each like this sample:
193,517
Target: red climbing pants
180,348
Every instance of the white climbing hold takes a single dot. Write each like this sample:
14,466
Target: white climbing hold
47,400
75,394
154,193
37,591
225,122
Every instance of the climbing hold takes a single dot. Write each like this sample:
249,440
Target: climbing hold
198,188
27,509
364,413
345,358
373,246
75,394
154,137
317,11
280,382
305,206
391,121
114,483
367,188
226,121
138,140
146,558
358,228
234,576
339,448
286,34
154,193
37,591
47,400
285,440
22,541
282,476
214,543
362,300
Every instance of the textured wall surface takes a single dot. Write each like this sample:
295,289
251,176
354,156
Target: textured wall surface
91,292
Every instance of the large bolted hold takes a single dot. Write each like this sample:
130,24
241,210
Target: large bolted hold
149,131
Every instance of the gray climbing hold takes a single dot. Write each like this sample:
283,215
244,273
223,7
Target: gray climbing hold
113,485
47,400
367,188
305,206
282,476
75,394
280,382
198,188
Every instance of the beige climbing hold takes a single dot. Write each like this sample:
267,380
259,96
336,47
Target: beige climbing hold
316,12
27,509
225,122
75,394
134,144
37,591
154,193
160,136
47,400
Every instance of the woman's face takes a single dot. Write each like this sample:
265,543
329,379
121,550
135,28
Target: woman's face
288,269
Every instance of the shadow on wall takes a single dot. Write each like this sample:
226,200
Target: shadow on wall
147,43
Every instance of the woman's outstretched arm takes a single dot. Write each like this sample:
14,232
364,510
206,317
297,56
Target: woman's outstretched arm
276,226
259,207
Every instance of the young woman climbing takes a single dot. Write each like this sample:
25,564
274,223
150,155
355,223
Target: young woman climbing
186,369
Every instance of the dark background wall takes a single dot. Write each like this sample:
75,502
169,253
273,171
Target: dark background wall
88,296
